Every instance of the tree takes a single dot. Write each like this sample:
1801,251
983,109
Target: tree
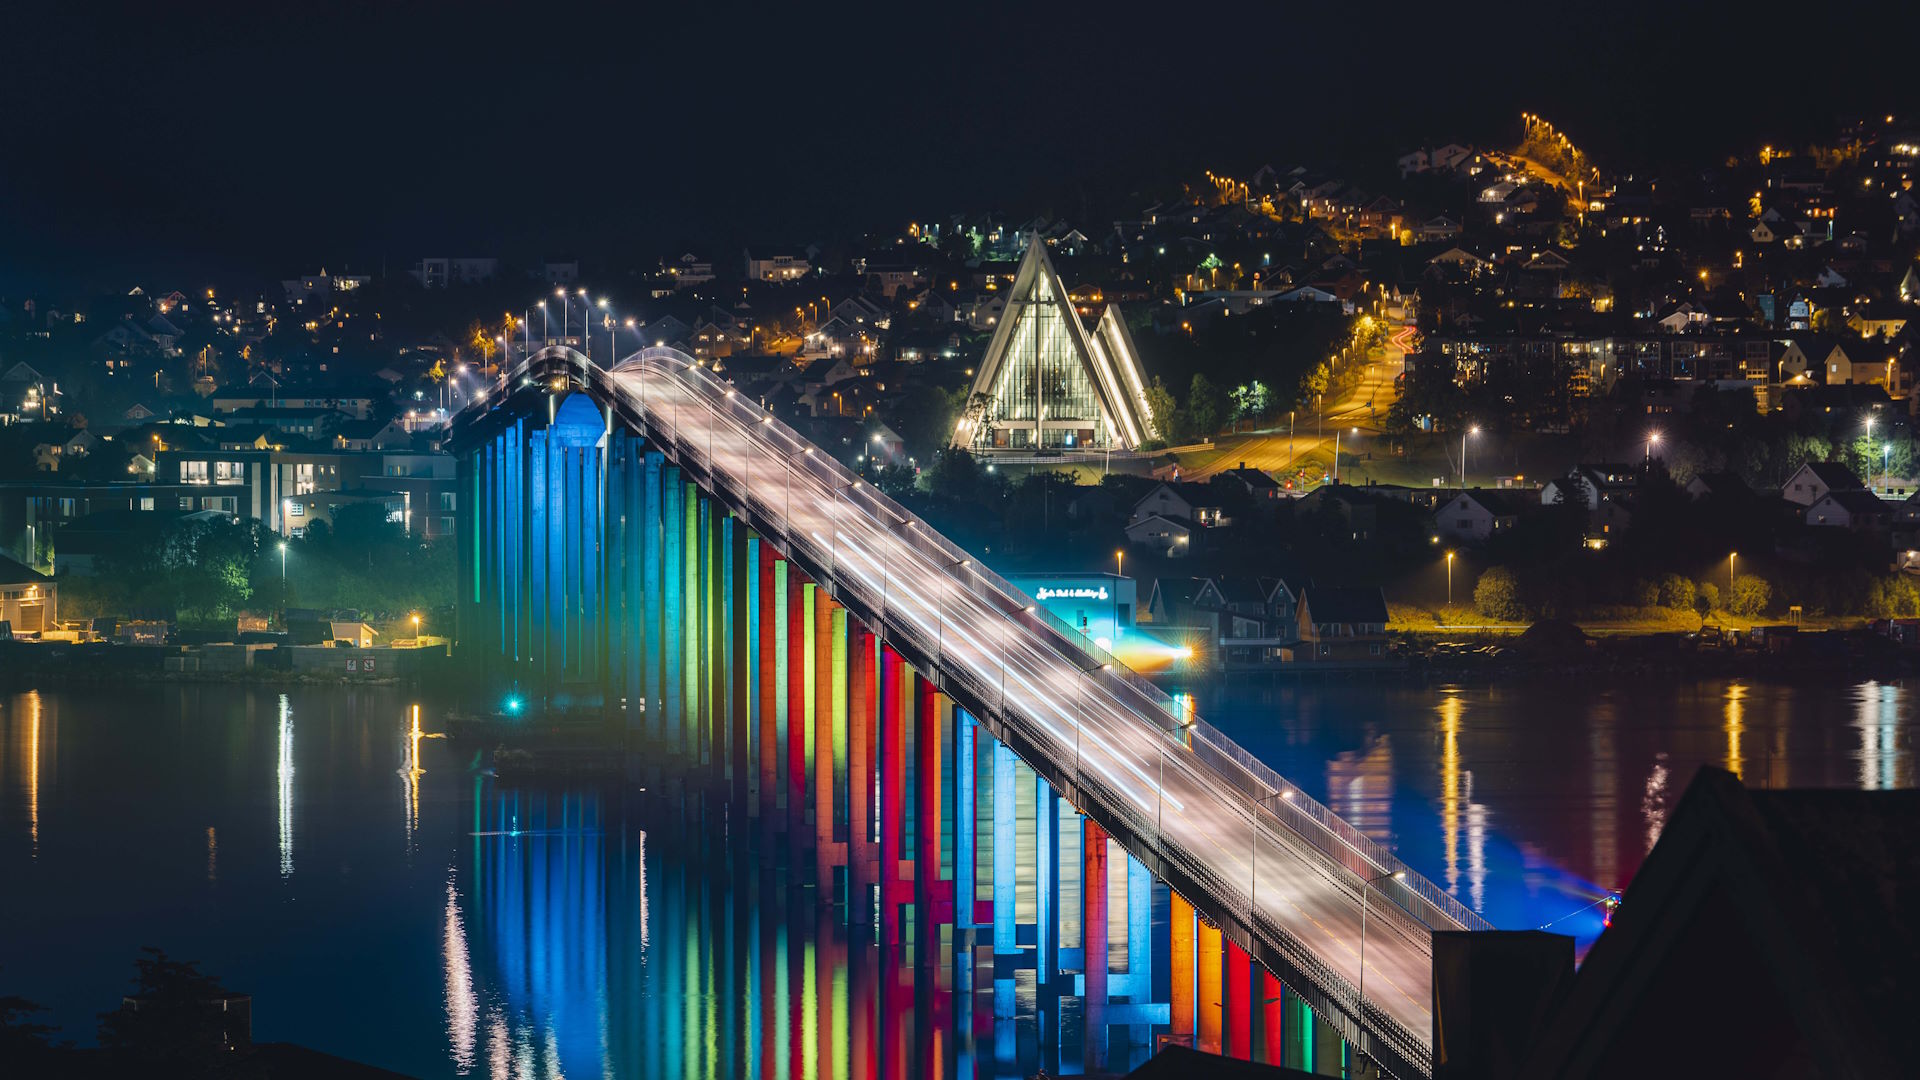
980,416
1676,592
177,1028
1751,595
896,481
1497,595
1162,409
1709,594
24,1043
1205,403
1250,400
954,475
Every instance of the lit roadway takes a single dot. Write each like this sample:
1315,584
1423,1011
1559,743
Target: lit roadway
1272,450
1103,727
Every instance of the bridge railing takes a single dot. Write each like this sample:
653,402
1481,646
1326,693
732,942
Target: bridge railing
820,477
1267,855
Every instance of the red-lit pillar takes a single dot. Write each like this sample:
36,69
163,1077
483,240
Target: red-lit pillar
826,853
932,897
1237,995
894,890
862,855
1093,935
797,660
1272,1027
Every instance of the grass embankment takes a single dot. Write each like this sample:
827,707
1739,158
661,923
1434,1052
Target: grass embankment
1462,619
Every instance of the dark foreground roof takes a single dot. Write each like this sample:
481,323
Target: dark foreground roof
1328,604
1768,933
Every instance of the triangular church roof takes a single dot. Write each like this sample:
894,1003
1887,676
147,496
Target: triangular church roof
1106,354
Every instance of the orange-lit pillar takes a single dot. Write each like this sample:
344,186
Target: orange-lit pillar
1093,935
826,853
1207,989
1236,993
1180,961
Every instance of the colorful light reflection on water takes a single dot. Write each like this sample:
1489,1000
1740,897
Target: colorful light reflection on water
448,925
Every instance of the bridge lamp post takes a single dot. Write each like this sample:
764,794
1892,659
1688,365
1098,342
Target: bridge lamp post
1370,883
566,314
545,334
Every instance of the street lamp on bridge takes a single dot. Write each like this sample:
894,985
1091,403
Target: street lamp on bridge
1369,883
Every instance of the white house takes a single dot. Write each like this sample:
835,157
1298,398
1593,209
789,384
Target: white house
777,266
1857,510
1816,479
1590,485
1474,516
1172,537
1195,503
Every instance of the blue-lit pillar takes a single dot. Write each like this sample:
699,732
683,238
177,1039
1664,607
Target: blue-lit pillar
672,555
653,584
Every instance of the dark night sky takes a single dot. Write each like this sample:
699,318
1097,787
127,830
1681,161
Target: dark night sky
264,140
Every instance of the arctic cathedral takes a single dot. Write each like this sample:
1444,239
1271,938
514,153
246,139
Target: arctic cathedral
1049,383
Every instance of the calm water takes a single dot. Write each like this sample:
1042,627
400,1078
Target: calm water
385,901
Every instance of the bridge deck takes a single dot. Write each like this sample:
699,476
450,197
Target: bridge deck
1279,873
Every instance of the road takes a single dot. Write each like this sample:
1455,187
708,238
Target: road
1126,749
1275,450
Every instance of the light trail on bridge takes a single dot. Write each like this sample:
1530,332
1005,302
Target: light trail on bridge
1256,850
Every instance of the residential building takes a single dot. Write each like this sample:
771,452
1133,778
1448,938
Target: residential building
1340,624
1200,504
1170,536
1590,485
777,265
1859,511
1813,481
1474,516
29,600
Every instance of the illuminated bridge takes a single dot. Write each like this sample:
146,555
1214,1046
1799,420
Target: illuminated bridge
952,763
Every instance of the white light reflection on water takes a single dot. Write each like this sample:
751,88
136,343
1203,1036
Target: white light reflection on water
285,777
410,773
1883,762
463,1005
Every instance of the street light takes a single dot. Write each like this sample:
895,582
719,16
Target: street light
416,627
1653,440
1397,875
283,562
1449,579
1474,430
1730,556
1119,563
